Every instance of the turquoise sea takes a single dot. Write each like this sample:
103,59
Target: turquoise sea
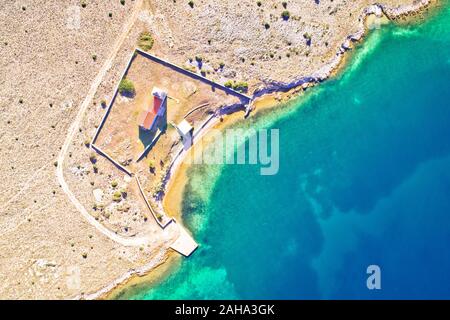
364,179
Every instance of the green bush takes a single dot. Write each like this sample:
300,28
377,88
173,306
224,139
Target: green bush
126,87
145,41
285,15
240,86
117,196
151,166
114,184
228,84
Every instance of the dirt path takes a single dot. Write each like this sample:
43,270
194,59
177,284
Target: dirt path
74,129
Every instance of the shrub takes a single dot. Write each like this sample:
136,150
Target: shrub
191,3
284,4
122,2
266,25
221,64
94,57
159,188
83,4
228,84
285,15
145,41
151,165
114,184
126,87
240,86
259,3
95,167
117,196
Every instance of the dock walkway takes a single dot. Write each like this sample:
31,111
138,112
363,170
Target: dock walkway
185,244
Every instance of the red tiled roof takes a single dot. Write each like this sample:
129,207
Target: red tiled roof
156,104
146,119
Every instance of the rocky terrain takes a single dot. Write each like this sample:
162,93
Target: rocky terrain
259,42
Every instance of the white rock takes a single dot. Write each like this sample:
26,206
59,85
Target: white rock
98,195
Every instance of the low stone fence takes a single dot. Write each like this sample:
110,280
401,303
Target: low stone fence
107,156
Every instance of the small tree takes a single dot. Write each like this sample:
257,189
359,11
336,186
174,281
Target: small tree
191,3
126,87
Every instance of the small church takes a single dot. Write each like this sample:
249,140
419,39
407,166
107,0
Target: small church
149,119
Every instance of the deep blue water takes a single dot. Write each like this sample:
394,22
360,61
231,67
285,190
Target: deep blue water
364,179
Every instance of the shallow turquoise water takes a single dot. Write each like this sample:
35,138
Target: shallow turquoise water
364,179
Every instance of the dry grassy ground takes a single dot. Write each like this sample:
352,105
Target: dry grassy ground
46,71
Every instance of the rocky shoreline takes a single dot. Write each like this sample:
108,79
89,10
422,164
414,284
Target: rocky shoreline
330,68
